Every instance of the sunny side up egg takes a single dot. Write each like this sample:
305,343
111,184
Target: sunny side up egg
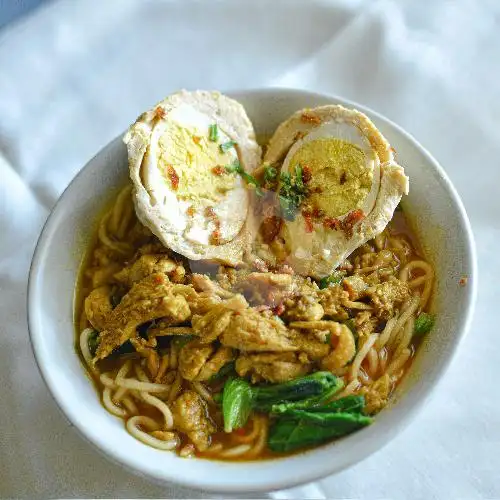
339,185
185,159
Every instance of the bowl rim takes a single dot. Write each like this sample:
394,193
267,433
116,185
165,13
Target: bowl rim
322,469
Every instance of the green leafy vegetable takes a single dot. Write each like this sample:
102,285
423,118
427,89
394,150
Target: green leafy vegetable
292,193
423,324
213,132
330,386
334,279
93,342
347,404
288,434
226,146
227,369
239,397
319,385
237,401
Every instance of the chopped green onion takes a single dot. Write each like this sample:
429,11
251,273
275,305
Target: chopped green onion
334,279
270,174
213,132
226,146
299,183
291,194
236,167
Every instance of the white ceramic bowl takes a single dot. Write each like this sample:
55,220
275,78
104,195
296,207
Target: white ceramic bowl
441,224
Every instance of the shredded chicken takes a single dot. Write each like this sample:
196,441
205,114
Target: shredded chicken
212,324
149,264
267,288
253,331
355,286
387,296
365,323
377,394
332,300
147,300
199,362
303,308
98,307
191,417
203,283
271,367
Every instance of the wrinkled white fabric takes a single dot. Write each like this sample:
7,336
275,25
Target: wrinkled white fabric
75,73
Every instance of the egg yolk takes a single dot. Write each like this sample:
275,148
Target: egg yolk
340,178
187,161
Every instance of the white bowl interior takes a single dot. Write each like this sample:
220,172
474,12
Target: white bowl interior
437,216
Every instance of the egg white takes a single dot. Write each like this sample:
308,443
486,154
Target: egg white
171,210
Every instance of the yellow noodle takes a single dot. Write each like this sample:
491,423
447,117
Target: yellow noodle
373,362
349,389
123,371
202,391
410,309
162,407
135,384
248,438
122,200
107,381
405,273
175,388
215,448
163,367
261,443
360,356
187,451
110,406
147,422
120,247
84,348
357,305
173,357
236,451
405,337
399,362
130,405
386,333
140,374
382,357
363,377
119,394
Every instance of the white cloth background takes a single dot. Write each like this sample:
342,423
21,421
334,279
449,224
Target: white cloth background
75,73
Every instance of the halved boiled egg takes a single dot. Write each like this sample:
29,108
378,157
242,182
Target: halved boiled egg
338,188
184,159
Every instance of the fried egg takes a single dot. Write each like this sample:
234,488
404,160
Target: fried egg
338,188
187,191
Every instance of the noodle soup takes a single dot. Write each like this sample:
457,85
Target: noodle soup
343,341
